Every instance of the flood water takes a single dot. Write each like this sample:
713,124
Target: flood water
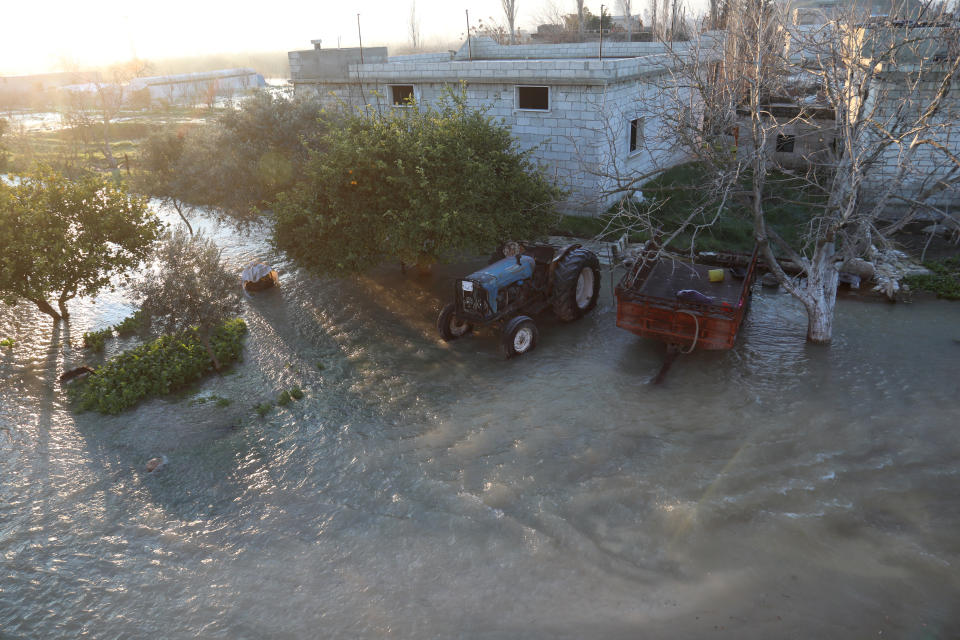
432,490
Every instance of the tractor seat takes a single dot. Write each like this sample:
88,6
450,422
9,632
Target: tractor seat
541,254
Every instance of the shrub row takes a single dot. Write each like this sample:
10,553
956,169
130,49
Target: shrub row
156,368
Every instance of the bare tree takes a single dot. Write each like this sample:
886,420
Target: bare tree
550,14
857,115
492,29
666,19
108,99
580,16
653,17
414,27
510,12
626,7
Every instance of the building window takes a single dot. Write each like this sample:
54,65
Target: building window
636,134
402,94
785,143
533,98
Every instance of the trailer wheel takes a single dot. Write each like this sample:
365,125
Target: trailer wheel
576,285
450,326
519,336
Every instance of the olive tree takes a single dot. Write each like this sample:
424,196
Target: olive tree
62,238
189,287
419,184
236,165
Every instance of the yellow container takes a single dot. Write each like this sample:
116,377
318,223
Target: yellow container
716,275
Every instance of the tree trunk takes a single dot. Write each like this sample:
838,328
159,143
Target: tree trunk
821,296
205,340
44,306
819,323
62,303
107,152
179,207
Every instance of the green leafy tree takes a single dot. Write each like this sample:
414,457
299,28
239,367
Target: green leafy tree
236,165
420,184
189,288
61,238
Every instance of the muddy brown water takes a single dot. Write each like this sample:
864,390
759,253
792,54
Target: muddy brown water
432,490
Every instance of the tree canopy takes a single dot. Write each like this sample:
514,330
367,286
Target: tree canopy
236,165
418,184
61,238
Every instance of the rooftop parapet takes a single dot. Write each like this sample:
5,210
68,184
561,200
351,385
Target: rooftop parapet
909,45
577,63
486,48
330,64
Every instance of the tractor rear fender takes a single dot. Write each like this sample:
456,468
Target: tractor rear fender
557,259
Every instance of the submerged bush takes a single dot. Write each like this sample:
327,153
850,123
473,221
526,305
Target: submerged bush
95,340
131,324
156,368
944,281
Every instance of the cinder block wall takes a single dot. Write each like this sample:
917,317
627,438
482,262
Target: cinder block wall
923,173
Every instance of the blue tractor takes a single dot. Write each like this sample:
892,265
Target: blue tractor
521,282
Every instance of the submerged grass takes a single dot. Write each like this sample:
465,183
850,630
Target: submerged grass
156,369
96,340
944,281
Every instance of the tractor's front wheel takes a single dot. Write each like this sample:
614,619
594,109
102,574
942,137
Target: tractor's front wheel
576,284
519,336
450,326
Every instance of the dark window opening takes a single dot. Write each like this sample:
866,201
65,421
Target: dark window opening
533,98
636,134
402,94
785,143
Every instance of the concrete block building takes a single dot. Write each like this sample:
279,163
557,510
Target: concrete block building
187,87
587,114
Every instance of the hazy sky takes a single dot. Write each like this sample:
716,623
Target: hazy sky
49,35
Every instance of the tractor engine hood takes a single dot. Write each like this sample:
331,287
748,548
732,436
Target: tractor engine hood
501,274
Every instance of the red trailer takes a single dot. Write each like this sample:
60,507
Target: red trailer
676,302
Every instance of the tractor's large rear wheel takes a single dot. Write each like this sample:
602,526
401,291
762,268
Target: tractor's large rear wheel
519,336
576,284
450,326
